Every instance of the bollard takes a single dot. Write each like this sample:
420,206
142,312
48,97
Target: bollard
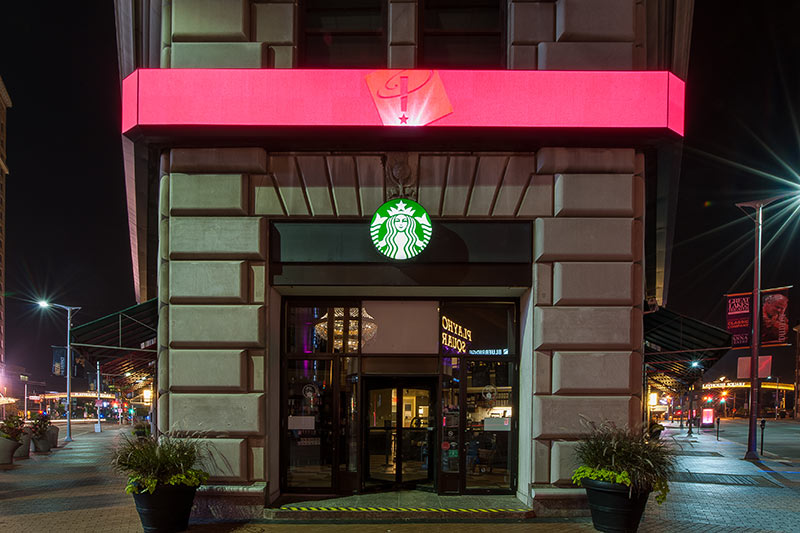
717,428
763,425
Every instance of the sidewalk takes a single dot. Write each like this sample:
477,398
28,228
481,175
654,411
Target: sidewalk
723,492
73,489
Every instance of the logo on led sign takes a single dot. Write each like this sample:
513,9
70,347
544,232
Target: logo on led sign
400,229
408,97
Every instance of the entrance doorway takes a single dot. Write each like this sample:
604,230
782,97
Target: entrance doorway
400,433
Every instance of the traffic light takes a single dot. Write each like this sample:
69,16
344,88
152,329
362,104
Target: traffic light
708,399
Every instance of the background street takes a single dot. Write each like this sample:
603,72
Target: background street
781,437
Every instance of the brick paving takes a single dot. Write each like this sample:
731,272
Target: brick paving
73,489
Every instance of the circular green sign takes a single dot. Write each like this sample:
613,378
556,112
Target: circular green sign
400,229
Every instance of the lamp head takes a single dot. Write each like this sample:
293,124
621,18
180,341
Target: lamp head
43,303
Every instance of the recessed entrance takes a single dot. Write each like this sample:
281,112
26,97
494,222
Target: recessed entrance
400,433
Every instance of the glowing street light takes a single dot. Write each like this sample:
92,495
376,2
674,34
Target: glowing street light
69,309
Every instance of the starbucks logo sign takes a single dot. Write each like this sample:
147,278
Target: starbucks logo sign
400,229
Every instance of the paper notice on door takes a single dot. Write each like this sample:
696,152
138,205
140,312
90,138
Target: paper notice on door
497,424
301,422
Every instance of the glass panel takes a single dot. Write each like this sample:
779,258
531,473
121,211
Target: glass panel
345,51
462,15
340,15
304,330
462,51
348,412
382,434
489,424
403,327
451,418
417,434
310,423
478,328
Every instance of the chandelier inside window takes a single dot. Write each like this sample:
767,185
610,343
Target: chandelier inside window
368,328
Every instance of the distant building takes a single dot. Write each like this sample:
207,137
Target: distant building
5,103
328,341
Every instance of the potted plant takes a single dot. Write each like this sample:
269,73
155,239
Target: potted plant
162,478
24,451
619,469
52,434
41,442
10,438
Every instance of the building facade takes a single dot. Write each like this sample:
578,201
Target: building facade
459,340
5,104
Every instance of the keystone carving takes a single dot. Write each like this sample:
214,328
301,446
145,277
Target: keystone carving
401,171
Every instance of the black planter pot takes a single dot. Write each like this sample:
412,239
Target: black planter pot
612,508
167,510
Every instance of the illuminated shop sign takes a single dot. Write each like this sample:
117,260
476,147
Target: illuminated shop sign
400,229
402,98
491,351
455,337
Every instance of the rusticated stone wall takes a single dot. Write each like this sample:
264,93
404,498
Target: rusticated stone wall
581,323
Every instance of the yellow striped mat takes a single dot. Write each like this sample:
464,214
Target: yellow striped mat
401,509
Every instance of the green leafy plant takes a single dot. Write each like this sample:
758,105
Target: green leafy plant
150,462
12,427
39,426
141,429
628,457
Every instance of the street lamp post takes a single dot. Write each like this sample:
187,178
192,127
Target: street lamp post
69,310
755,338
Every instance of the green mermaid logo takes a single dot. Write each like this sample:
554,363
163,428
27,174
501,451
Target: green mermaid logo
400,229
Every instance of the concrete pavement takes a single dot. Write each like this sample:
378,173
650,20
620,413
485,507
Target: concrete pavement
73,489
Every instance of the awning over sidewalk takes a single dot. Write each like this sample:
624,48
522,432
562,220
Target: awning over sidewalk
124,342
678,348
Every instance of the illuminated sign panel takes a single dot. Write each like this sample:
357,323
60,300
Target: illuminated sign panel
447,98
455,337
400,229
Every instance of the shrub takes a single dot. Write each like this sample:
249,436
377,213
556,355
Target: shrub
629,457
39,426
12,427
149,462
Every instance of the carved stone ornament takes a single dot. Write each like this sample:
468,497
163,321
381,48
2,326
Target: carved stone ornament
401,172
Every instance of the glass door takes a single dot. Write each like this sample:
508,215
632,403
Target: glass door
399,434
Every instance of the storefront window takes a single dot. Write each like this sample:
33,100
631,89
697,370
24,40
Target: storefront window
349,413
310,423
478,329
303,335
489,404
451,419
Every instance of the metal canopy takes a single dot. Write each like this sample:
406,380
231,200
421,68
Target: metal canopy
673,342
123,342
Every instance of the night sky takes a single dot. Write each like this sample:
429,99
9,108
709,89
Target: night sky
67,233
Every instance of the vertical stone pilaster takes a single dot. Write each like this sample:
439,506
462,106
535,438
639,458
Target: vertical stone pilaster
403,38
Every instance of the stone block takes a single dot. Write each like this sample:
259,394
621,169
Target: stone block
220,55
208,370
562,462
208,282
163,195
163,370
256,372
210,20
601,195
257,461
208,194
523,57
553,160
218,160
227,459
163,239
542,284
283,56
217,414
587,328
162,416
597,284
595,20
584,56
596,372
217,237
274,23
538,198
531,23
402,23
542,363
541,461
258,287
164,59
162,278
216,326
517,179
402,56
587,239
265,199
564,417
